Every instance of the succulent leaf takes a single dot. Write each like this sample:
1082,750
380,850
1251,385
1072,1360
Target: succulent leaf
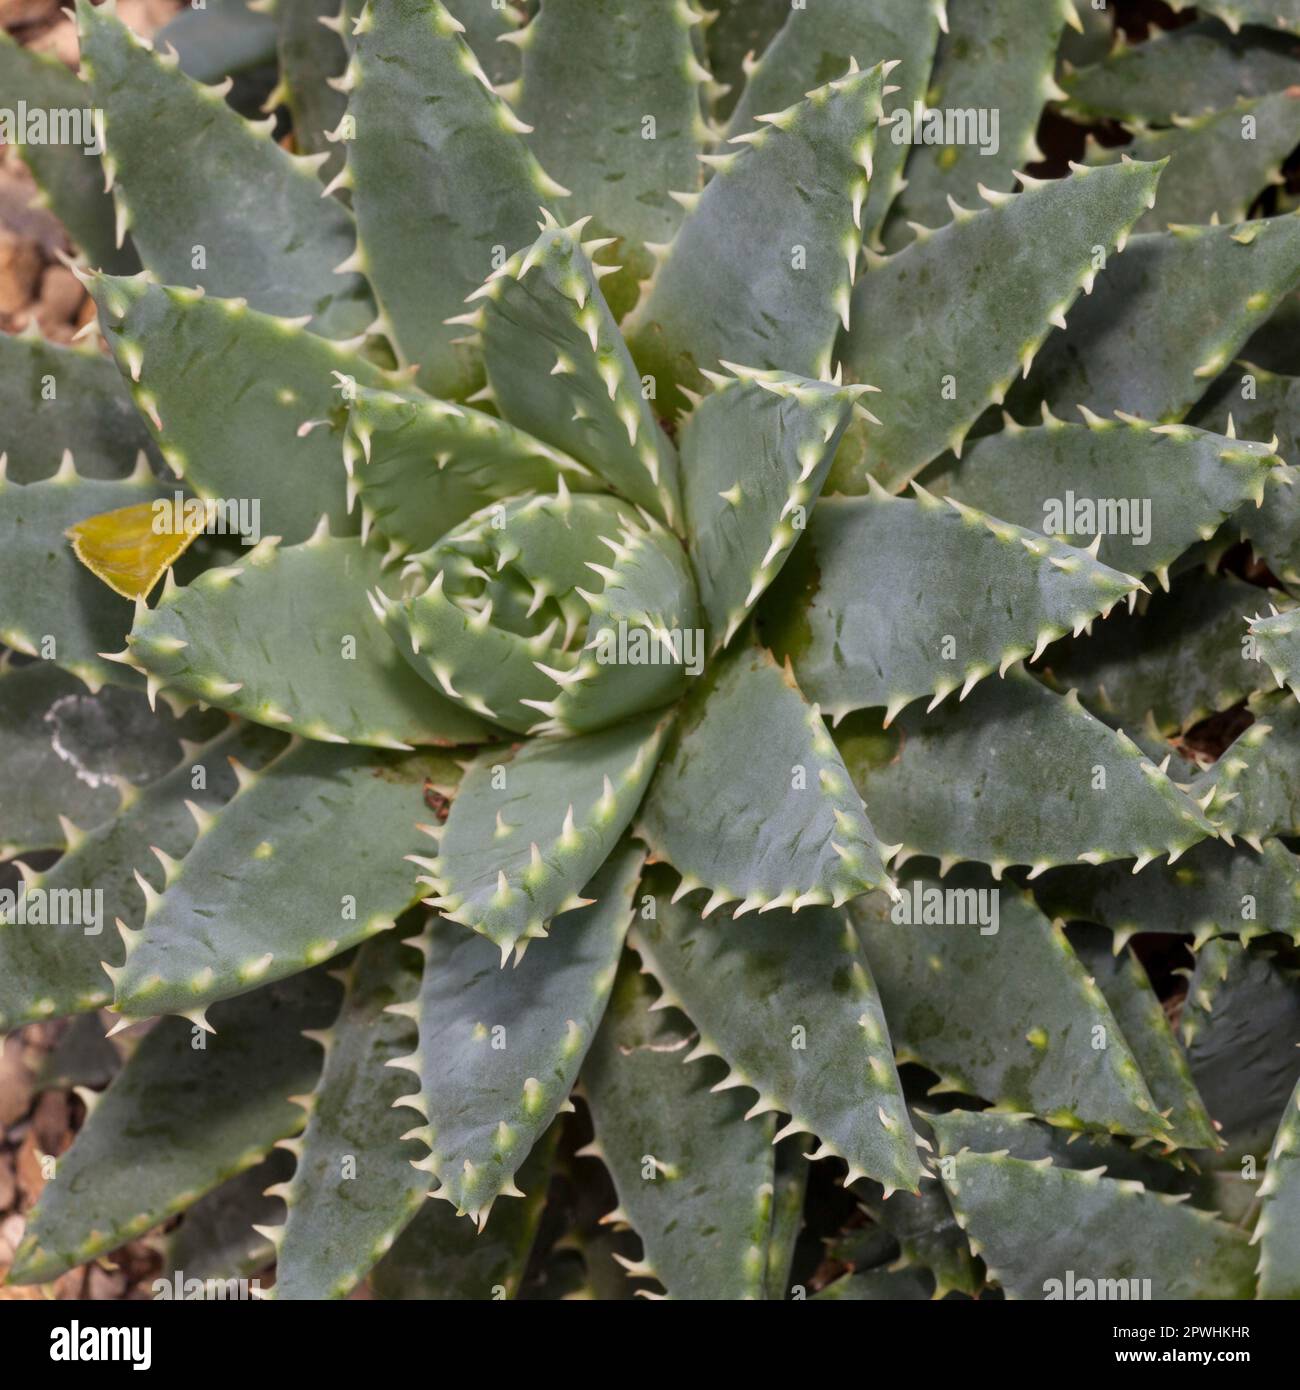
965,319
422,466
1084,1227
500,1050
846,613
354,1189
738,31
1253,790
75,752
1029,777
221,206
276,391
218,1237
54,608
1241,1028
286,636
796,61
1188,71
1278,1229
58,400
1214,890
1219,163
704,1215
509,860
283,829
754,456
617,97
559,368
439,1256
71,180
178,1120
1063,479
1135,347
1127,989
1278,641
220,39
752,799
1039,1053
49,969
996,55
927,1234
1179,656
761,995
762,267
443,186
498,614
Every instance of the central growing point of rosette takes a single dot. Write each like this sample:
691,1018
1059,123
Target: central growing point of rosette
552,614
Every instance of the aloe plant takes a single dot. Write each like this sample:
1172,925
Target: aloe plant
581,674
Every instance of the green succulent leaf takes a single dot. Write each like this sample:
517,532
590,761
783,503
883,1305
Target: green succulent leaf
559,368
276,391
179,1119
208,936
54,607
1214,890
762,267
1189,71
1068,480
83,1056
1024,1137
739,30
499,1050
285,636
808,52
752,799
754,457
1127,989
997,55
216,203
945,949
441,1257
791,1007
221,38
890,599
789,1191
1134,346
1278,641
354,1189
1029,777
218,1236
616,97
442,184
927,1234
422,466
509,860
71,180
58,400
965,318
1042,1229
1219,163
496,614
1254,789
705,1214
78,754
1179,656
1275,14
312,39
48,969
1278,1229
1241,1028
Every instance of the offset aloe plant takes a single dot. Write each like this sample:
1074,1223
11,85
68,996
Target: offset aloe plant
628,624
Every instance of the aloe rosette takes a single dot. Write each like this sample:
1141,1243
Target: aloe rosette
651,614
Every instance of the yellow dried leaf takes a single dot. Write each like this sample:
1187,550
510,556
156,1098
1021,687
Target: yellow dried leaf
131,548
